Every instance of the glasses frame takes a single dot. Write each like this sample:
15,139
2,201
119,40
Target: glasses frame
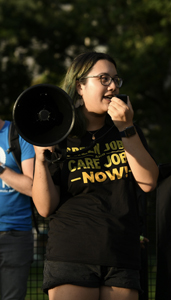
111,78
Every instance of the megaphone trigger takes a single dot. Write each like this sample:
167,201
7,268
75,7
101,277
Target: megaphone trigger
56,156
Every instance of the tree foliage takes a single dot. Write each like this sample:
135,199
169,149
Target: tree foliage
39,39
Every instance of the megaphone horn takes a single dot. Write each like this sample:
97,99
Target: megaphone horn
44,115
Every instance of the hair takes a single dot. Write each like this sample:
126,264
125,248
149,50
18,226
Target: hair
80,68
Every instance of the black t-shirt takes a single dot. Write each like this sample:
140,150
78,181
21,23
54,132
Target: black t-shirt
97,221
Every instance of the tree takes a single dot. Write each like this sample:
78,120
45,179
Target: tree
38,39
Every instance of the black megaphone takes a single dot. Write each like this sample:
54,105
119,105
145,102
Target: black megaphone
44,115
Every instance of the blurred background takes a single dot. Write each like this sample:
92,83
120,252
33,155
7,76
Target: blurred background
39,39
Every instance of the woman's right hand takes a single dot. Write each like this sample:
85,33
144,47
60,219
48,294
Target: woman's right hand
40,152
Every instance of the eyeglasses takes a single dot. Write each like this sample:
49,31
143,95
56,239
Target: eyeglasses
107,79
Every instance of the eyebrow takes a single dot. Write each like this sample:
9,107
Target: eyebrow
108,74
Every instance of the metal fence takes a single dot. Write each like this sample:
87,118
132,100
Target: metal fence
151,233
148,272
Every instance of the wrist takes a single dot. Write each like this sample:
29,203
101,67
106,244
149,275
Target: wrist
128,132
2,168
123,126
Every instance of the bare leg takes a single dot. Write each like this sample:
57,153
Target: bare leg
73,292
115,293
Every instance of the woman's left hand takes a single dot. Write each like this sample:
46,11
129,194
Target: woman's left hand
143,167
121,113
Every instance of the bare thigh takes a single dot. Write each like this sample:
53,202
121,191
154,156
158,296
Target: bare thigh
73,292
115,293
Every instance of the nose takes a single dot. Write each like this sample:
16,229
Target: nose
112,85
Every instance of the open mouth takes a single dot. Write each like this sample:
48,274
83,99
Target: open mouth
108,97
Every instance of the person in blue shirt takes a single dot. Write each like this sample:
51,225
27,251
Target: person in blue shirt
16,238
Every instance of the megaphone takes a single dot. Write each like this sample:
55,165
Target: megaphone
44,115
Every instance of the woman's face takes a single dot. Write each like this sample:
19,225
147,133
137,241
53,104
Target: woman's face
95,95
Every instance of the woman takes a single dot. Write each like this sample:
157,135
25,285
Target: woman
93,246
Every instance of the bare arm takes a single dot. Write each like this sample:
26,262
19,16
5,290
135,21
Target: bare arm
143,166
20,182
45,194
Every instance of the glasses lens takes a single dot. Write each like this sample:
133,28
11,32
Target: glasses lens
118,82
105,79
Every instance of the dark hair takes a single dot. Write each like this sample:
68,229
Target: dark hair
79,68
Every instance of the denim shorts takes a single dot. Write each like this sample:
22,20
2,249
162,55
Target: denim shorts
59,273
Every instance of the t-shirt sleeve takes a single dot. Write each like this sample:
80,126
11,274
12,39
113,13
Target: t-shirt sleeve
27,149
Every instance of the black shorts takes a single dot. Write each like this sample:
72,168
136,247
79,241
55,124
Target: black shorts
59,273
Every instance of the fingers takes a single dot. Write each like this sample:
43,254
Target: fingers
40,152
117,106
121,113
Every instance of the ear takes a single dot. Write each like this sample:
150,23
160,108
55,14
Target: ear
79,88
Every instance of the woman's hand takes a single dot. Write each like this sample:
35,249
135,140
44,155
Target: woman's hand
143,167
40,152
121,113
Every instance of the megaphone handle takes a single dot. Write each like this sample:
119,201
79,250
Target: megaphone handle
53,157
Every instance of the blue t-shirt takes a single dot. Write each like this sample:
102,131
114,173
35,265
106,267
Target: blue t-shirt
15,208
